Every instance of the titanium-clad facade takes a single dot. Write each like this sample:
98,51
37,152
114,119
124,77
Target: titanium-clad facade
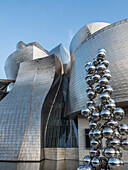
114,39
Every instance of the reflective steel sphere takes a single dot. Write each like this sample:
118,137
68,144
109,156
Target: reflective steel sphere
101,53
87,159
123,129
112,124
89,81
98,89
90,69
106,71
97,134
125,144
88,63
118,114
92,125
110,106
115,143
106,63
108,90
107,75
88,76
96,78
96,163
101,68
91,94
108,133
116,134
105,114
94,152
115,164
103,81
100,106
95,143
96,116
85,112
89,88
90,102
92,108
95,62
104,97
109,152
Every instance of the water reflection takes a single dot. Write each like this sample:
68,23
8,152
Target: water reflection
44,165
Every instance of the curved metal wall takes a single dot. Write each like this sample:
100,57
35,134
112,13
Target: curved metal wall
20,110
114,39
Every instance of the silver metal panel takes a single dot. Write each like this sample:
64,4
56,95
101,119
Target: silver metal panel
114,39
20,110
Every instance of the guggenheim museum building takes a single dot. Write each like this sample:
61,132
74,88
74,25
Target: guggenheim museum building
42,98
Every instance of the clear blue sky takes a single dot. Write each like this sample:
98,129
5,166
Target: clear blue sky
50,22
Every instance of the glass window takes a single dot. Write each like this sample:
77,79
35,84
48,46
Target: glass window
87,139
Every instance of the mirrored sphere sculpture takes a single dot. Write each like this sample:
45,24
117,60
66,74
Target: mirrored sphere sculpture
103,118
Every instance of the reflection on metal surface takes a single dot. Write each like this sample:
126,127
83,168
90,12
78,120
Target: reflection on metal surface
44,165
3,87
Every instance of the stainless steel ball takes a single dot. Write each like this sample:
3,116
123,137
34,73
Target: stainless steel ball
92,108
87,159
89,81
88,88
109,152
103,82
105,114
113,124
91,94
108,133
118,114
97,134
115,143
98,89
96,116
95,143
85,112
115,164
90,69
103,150
110,106
123,129
94,152
100,68
104,97
88,63
101,53
96,78
107,75
90,118
96,162
95,62
90,102
88,76
92,125
106,63
108,90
